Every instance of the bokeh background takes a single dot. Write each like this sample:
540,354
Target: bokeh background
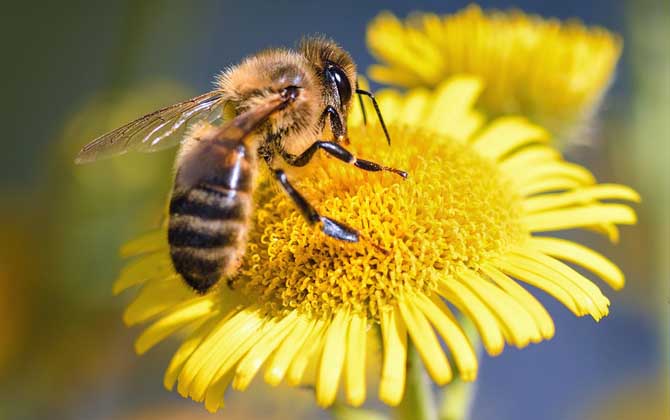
72,70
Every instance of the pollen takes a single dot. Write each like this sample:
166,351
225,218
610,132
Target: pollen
452,212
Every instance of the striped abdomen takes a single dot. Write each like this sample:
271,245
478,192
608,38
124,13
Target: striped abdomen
209,215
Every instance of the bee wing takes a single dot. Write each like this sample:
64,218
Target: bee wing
245,123
155,131
198,163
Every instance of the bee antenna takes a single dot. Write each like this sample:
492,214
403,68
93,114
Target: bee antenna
360,102
379,113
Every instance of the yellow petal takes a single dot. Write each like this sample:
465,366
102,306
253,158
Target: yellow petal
468,303
332,360
451,112
252,361
355,360
153,266
580,196
227,354
426,343
280,360
542,318
183,314
610,230
214,398
548,184
448,327
522,273
513,317
312,346
527,157
581,255
590,296
155,297
382,45
184,351
576,217
391,76
553,170
506,134
207,355
414,107
394,334
149,242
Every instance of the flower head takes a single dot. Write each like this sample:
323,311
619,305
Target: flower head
463,231
553,72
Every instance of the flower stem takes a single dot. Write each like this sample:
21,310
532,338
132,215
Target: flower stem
418,403
458,396
457,402
340,411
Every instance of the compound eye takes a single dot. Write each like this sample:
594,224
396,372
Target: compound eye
336,75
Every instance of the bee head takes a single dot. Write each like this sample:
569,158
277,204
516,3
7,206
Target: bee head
334,70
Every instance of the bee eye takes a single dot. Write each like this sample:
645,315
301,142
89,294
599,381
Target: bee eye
335,75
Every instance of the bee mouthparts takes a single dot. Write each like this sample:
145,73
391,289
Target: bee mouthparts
290,92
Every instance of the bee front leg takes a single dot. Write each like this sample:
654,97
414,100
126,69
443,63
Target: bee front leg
338,129
330,227
336,150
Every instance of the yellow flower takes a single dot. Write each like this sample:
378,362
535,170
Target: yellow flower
464,230
553,72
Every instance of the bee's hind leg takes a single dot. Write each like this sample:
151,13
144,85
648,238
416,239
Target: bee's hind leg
330,227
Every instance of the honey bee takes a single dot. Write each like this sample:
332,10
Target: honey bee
278,103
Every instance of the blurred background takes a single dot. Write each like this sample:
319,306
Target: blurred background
76,69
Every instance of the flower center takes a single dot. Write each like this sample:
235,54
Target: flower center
455,210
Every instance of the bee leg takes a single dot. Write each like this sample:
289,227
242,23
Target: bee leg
330,227
338,129
336,150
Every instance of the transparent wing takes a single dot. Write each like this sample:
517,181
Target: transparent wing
159,130
198,163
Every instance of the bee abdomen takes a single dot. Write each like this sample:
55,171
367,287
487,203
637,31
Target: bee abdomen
207,233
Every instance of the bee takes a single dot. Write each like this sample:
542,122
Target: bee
279,103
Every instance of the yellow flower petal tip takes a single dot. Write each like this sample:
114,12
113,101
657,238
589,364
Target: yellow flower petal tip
554,72
463,232
356,398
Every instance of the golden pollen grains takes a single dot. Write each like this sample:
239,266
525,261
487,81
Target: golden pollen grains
554,72
462,232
